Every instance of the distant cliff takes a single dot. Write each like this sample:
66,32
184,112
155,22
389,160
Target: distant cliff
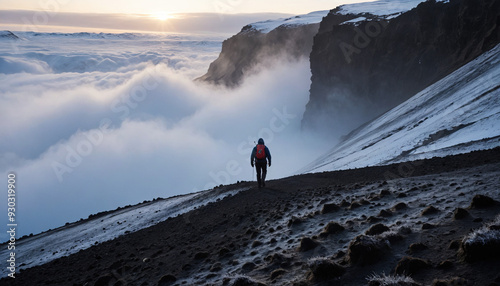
261,44
8,35
364,67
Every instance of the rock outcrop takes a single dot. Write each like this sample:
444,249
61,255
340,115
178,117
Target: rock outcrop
8,35
361,69
253,48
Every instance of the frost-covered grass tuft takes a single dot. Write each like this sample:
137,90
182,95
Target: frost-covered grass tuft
314,261
487,234
482,236
243,280
483,243
396,280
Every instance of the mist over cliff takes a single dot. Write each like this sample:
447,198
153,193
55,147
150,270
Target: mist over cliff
263,45
364,67
365,58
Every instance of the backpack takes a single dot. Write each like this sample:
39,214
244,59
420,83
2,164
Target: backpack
261,152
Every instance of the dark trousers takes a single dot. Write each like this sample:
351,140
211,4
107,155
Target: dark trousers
261,168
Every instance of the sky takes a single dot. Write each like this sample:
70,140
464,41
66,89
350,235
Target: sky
219,16
186,6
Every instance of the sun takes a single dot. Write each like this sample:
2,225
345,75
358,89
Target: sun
162,16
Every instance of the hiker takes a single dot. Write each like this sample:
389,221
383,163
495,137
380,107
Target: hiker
259,155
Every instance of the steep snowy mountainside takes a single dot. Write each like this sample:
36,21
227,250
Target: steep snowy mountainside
383,55
457,114
73,237
264,42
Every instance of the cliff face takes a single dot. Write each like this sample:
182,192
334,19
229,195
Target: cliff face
251,48
362,69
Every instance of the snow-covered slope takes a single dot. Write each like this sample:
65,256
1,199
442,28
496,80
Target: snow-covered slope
381,8
269,25
74,237
458,114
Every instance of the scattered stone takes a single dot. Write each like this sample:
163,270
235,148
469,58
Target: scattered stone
364,202
481,201
307,244
428,226
429,211
415,247
201,255
256,243
277,273
410,265
295,221
385,213
377,229
354,205
216,267
392,236
329,208
447,264
450,282
167,280
246,281
365,250
104,280
399,206
321,269
385,192
373,219
223,252
455,244
339,254
460,213
332,228
344,204
275,258
249,266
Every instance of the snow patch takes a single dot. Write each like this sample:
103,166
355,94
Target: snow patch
269,25
72,238
458,114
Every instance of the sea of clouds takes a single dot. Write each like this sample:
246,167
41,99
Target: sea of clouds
91,122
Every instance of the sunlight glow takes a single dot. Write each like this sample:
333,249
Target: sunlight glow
162,16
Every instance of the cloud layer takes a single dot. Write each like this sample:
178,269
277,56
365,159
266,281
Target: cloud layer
83,142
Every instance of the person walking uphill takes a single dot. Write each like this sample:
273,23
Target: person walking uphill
260,156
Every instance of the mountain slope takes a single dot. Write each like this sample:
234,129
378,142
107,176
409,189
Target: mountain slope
363,67
276,235
99,228
260,45
8,35
458,114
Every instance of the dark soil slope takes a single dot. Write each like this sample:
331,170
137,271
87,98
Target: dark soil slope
290,233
